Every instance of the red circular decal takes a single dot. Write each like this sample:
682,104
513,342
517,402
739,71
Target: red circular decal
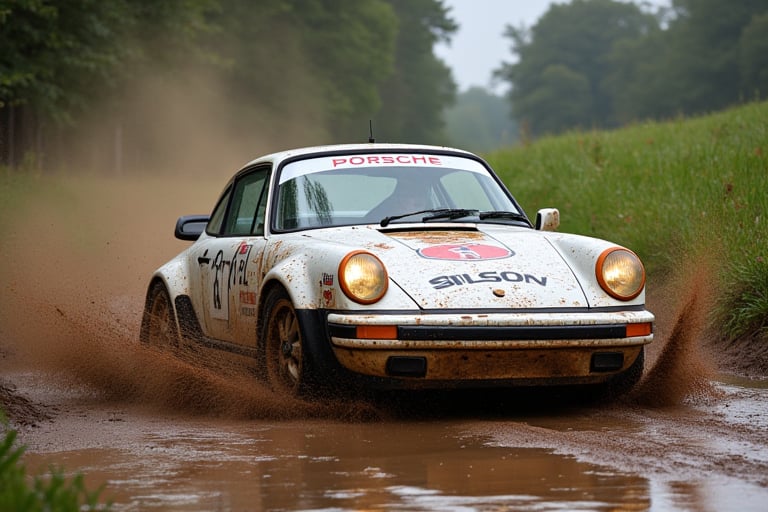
465,252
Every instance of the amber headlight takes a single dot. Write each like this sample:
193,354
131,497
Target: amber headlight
362,277
620,273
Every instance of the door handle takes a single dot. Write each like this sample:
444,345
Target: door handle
203,261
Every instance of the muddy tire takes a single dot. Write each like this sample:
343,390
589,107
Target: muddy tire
162,330
284,360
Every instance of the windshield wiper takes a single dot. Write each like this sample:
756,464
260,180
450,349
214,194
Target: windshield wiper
386,220
450,213
502,215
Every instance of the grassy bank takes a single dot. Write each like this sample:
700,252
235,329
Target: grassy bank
672,192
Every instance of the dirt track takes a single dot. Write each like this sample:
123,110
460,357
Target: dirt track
84,393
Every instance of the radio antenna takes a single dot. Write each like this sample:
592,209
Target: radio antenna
371,140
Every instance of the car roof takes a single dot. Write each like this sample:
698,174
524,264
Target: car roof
370,147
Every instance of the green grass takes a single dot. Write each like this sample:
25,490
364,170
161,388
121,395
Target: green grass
671,192
21,492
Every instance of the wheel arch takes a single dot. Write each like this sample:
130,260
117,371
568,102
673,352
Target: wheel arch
156,280
172,277
266,289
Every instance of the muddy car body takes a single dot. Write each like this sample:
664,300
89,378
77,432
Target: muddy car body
397,266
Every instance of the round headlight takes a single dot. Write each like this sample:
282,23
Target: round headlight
362,277
620,273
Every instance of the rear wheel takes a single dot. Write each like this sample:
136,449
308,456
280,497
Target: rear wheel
284,359
162,331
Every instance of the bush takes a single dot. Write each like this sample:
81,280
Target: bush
51,492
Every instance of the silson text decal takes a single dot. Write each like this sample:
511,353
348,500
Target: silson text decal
440,282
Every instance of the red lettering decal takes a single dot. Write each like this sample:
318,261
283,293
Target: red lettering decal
435,160
357,160
419,159
338,161
387,160
403,159
373,160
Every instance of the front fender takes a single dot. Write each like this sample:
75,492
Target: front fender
175,276
312,282
581,254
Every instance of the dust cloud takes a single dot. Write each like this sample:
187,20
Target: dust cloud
99,219
77,259
188,123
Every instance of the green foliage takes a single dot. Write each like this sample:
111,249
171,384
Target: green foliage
316,63
668,191
754,57
479,121
415,96
52,492
558,79
59,56
120,78
636,65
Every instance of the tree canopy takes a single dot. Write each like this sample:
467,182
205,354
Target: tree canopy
602,63
479,121
312,71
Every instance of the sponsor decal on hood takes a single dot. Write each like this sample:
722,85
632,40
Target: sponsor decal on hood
470,251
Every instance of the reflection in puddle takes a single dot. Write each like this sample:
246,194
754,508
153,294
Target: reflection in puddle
301,466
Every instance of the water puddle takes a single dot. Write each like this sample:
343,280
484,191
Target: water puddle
331,466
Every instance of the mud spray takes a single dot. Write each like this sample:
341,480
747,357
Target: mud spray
72,289
682,367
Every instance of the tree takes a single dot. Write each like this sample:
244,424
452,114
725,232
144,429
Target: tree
753,57
213,72
58,59
479,121
57,55
703,41
571,42
415,96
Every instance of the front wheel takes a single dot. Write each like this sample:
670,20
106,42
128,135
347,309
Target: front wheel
161,330
284,358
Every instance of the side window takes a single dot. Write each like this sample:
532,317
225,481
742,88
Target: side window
217,217
246,215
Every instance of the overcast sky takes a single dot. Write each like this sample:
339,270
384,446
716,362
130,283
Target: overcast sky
479,47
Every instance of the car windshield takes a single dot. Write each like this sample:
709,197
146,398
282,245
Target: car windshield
388,188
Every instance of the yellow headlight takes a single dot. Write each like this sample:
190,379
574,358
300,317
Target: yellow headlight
620,273
362,277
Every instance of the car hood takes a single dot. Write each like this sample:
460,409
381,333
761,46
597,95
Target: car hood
476,268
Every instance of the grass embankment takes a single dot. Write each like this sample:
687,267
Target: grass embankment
673,192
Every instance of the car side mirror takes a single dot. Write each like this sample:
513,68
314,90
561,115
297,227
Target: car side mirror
547,219
190,227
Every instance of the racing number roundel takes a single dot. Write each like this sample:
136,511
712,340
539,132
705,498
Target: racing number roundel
465,252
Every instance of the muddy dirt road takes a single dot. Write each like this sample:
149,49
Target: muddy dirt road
163,434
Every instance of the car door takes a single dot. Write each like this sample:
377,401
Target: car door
228,259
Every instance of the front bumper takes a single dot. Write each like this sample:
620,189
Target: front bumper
541,348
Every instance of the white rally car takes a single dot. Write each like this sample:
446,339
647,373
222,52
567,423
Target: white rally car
397,266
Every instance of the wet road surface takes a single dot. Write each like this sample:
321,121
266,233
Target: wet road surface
160,434
708,454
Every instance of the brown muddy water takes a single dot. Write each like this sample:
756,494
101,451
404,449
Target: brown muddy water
164,434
